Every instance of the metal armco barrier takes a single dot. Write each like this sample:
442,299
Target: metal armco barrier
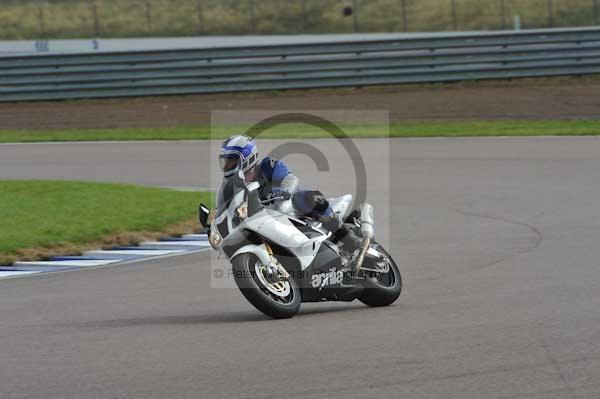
431,58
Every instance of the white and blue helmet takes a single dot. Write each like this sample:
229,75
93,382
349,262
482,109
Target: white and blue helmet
238,153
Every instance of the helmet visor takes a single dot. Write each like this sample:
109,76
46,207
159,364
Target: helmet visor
229,163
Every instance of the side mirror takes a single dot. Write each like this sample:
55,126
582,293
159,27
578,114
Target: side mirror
203,213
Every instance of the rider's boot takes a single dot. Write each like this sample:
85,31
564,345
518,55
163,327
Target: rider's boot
341,233
351,242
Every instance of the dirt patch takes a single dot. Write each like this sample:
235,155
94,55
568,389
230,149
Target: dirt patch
129,238
557,98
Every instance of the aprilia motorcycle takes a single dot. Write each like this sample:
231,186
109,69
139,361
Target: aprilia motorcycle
280,259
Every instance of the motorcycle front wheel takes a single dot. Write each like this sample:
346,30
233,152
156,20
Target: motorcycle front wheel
277,298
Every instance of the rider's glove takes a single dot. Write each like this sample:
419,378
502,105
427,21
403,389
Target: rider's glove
278,193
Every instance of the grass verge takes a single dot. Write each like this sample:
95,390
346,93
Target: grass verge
44,218
298,131
118,18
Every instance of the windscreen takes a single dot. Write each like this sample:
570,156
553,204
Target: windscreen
228,191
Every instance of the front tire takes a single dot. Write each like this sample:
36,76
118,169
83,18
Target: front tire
280,300
382,290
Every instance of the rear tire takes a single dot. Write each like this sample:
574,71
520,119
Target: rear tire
379,293
257,293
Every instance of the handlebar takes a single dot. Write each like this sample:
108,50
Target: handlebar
273,199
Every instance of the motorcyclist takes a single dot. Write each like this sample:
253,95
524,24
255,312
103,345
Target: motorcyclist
240,152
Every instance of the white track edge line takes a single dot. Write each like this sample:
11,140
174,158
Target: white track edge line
127,262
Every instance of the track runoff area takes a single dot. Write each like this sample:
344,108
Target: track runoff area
496,239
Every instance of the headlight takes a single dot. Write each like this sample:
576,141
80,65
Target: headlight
242,210
214,238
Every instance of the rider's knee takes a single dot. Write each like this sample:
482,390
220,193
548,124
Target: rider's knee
311,203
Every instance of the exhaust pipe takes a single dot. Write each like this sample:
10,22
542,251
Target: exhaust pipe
367,229
367,222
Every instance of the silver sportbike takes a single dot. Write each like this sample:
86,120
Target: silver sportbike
280,259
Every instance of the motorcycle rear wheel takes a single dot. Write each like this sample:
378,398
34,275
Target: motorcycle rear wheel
382,290
279,300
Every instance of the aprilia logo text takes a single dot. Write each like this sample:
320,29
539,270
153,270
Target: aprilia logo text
332,277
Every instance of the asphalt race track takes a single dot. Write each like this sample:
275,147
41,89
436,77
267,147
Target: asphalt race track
497,238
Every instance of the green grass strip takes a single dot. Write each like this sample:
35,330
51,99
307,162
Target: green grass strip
29,19
302,131
44,214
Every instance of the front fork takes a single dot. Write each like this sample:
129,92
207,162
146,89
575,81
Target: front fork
273,261
264,253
